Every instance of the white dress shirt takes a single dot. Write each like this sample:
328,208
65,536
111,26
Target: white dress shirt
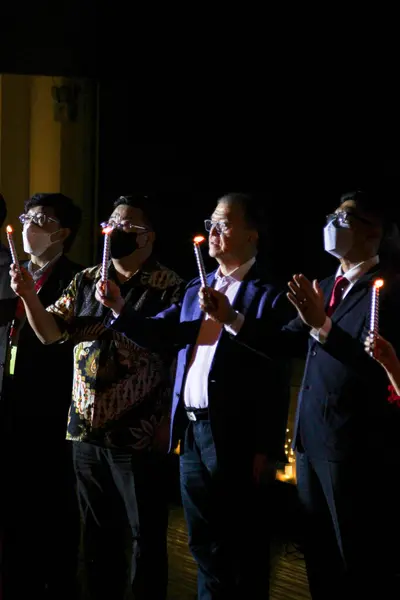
196,384
353,275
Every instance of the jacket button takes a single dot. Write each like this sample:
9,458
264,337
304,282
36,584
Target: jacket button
306,387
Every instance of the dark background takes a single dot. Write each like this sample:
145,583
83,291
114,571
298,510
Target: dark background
216,137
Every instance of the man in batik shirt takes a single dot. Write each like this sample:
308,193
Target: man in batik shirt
118,419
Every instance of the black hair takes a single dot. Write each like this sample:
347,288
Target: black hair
370,203
68,213
3,210
252,209
140,201
378,206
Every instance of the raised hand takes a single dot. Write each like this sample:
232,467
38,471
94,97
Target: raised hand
216,305
308,299
21,281
110,296
382,351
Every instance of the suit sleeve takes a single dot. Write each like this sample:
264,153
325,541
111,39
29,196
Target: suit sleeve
275,332
163,332
154,333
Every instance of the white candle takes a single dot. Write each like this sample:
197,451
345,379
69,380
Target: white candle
199,257
106,255
12,246
374,316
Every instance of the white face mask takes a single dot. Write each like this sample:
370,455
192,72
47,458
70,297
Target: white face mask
337,240
36,241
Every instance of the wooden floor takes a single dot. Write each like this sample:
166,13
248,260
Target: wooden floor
288,576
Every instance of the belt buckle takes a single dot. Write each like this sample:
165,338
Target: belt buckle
191,416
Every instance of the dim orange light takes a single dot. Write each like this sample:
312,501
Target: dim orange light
9,229
107,230
378,283
199,239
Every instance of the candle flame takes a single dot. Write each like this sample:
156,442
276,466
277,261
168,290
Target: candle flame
378,283
107,230
9,229
199,239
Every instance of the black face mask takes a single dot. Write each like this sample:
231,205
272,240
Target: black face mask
122,243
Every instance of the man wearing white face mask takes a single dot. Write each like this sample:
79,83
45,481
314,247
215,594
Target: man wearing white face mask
347,434
41,515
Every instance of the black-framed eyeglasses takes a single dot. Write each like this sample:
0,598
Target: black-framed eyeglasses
342,218
39,219
125,224
220,226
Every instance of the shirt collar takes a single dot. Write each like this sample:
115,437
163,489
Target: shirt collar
359,270
39,272
237,274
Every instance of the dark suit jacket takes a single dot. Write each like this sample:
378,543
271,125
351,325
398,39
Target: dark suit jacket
7,297
37,400
248,395
343,409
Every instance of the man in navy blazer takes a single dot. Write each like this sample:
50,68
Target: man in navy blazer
347,434
230,403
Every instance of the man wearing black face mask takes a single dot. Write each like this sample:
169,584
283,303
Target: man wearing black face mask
41,516
346,435
119,415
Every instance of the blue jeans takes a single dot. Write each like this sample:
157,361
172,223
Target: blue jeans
223,519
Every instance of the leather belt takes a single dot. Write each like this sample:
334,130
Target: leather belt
197,414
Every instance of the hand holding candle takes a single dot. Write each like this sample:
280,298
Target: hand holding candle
199,239
374,317
12,247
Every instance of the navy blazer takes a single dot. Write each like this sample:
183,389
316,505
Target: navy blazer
343,409
248,394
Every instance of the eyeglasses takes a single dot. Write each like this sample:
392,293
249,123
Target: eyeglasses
39,219
125,224
343,219
220,226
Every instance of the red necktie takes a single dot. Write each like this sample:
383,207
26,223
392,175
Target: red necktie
341,284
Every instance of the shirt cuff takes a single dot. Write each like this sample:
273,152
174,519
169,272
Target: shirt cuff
321,334
236,325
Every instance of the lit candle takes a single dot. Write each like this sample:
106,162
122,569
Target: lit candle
199,239
12,246
374,317
106,256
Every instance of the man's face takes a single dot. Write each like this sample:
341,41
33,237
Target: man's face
366,232
43,218
230,235
131,220
127,217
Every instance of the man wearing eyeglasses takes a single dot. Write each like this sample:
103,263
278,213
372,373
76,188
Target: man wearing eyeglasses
41,517
347,434
119,415
229,404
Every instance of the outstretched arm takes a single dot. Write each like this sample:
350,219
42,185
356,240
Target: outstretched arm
42,322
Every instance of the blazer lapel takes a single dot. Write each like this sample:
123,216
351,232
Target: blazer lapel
357,293
247,290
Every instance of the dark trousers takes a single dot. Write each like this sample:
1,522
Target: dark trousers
351,528
109,520
117,490
225,526
40,521
152,479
